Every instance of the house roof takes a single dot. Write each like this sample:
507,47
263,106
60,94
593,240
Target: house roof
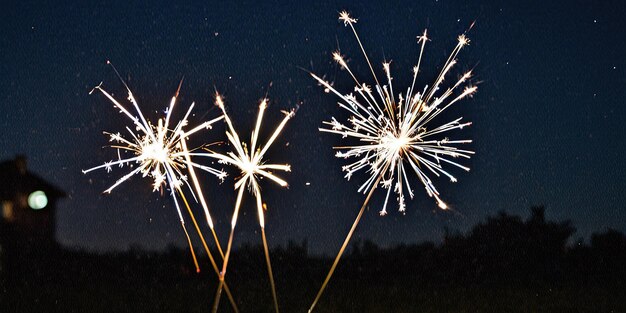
15,178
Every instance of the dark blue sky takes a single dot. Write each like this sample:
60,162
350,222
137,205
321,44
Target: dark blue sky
548,116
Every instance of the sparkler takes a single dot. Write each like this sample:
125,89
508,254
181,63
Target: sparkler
395,135
161,154
252,167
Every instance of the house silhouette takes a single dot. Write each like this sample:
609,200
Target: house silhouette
27,214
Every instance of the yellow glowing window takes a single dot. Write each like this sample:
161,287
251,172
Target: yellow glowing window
7,210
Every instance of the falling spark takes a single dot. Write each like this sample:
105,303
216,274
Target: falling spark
395,135
252,167
158,152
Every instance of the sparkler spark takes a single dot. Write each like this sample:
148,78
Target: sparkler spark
158,152
252,167
161,153
395,135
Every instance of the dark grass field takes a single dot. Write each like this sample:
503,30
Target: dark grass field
506,264
158,284
344,295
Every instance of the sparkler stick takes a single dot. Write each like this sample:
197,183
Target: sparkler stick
269,269
252,167
206,248
190,166
345,244
395,135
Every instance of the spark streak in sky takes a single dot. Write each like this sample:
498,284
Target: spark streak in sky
395,135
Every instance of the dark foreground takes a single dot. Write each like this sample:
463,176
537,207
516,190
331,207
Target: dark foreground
504,265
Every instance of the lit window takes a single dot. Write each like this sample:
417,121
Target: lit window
7,210
37,200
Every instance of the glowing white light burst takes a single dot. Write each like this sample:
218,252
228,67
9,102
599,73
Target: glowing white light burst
395,134
158,151
250,162
252,167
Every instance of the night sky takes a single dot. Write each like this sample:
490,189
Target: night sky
548,116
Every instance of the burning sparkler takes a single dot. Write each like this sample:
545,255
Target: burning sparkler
160,153
252,167
395,135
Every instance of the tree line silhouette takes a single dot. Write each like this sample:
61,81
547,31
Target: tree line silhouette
505,249
505,262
